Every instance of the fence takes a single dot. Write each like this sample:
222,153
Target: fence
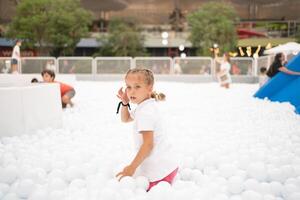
203,66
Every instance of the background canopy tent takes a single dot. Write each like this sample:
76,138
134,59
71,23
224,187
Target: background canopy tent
288,48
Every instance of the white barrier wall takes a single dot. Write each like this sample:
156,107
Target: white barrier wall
25,109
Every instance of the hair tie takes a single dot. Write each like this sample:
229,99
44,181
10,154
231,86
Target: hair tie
121,103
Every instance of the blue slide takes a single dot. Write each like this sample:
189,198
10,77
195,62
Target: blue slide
284,87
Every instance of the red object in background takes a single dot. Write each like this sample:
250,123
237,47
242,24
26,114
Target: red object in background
7,51
245,33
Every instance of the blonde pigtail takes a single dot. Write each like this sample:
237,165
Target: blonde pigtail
158,96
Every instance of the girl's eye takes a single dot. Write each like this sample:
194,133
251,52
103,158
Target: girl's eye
137,86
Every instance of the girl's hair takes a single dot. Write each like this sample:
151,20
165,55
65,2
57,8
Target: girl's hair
277,58
277,62
148,79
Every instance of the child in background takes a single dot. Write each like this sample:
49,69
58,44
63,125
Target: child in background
263,78
154,157
34,80
67,92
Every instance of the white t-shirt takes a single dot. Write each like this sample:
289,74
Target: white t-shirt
16,52
225,66
159,163
225,77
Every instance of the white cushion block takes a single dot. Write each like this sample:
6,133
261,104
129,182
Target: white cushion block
26,109
11,118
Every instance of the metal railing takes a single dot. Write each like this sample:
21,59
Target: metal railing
159,65
113,65
193,65
75,65
205,66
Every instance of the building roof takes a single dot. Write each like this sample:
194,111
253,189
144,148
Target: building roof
88,42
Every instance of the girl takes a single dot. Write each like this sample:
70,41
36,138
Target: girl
224,73
153,157
277,66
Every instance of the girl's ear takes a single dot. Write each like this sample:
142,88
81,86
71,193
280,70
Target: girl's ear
150,87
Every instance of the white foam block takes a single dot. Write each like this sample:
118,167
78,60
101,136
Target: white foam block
29,108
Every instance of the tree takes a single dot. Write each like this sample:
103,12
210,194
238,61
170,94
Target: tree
213,23
123,39
53,26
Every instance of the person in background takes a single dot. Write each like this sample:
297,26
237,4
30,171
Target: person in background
67,92
34,80
16,57
177,68
50,65
224,76
263,78
278,66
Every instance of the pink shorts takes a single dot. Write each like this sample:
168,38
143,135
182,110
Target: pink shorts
168,179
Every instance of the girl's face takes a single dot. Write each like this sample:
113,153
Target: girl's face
136,88
47,78
282,57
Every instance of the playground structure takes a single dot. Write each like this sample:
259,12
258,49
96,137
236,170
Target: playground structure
283,87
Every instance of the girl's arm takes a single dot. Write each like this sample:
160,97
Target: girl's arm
125,115
143,152
287,71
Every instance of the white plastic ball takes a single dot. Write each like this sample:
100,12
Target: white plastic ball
142,182
55,195
251,195
77,183
276,188
235,197
25,188
73,173
186,174
128,182
39,194
257,171
235,185
8,174
269,197
265,188
276,175
227,170
4,188
11,196
252,184
57,183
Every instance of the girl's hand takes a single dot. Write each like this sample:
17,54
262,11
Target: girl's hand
127,171
123,96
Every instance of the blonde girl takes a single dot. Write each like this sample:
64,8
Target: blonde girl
153,157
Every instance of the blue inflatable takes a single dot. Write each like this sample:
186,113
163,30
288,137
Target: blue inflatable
283,87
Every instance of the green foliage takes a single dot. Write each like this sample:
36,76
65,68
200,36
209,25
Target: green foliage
213,23
123,39
53,26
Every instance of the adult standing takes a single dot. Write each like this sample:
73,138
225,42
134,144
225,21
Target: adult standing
16,57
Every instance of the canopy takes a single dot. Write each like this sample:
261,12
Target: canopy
288,48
